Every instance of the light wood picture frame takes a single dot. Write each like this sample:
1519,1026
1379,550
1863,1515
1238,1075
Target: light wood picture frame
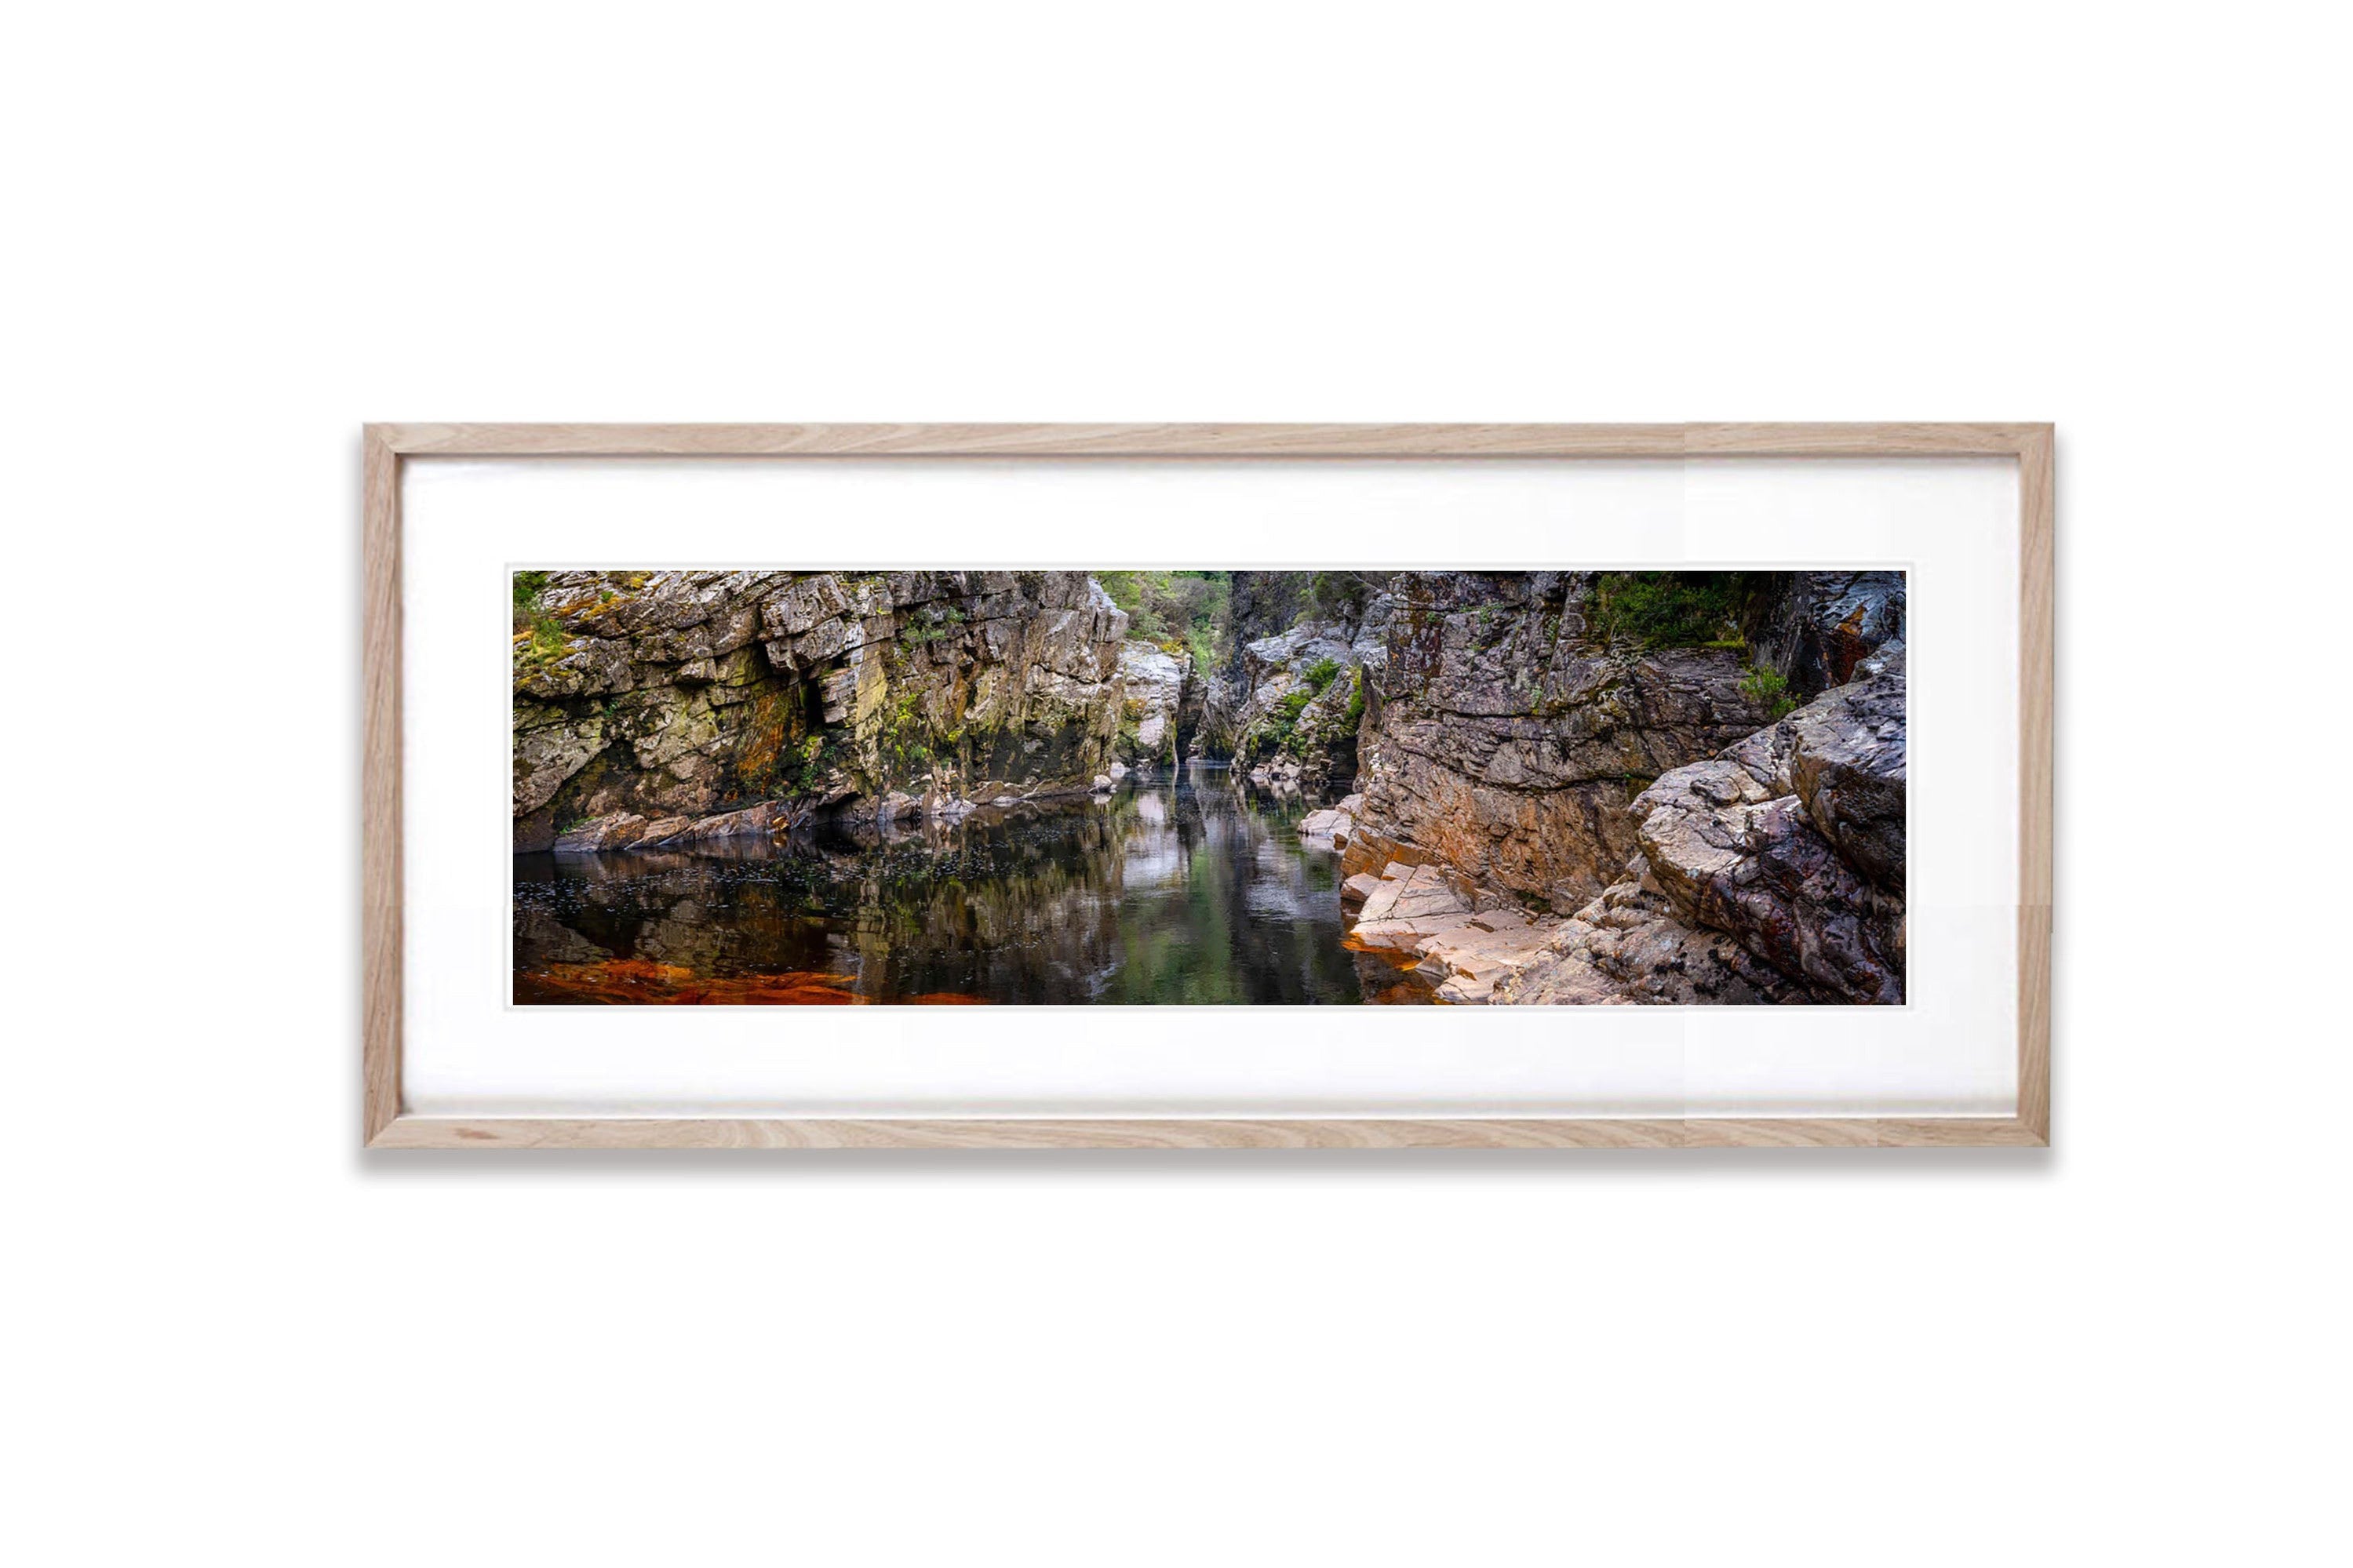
387,447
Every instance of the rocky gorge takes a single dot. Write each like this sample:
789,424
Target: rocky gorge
1531,786
1573,804
658,708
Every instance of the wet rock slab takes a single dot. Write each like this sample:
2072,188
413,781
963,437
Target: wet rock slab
1460,951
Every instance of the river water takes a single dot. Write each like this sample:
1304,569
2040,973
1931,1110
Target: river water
1192,890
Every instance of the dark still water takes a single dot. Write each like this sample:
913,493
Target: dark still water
1193,891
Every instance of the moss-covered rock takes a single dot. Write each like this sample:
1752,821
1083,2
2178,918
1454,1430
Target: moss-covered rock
658,694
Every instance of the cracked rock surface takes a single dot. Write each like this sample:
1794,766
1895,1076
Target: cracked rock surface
1667,840
1509,744
1772,872
671,701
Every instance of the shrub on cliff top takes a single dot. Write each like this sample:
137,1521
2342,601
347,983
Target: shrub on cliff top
547,641
1177,610
1338,594
1676,609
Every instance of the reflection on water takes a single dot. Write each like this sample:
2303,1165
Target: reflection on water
1188,891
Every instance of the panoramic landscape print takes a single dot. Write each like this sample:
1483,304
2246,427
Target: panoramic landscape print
1209,786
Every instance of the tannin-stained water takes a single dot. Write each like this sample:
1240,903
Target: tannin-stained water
1192,890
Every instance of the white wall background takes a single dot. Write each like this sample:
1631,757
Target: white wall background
240,230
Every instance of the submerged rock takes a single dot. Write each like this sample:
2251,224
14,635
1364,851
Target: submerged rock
617,830
1331,826
765,820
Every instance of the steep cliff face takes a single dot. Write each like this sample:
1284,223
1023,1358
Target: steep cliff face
1702,849
664,706
1507,743
1263,604
1300,700
1154,683
1817,632
1773,872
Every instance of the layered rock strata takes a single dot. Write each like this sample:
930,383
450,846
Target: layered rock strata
1507,743
1700,851
677,697
1772,872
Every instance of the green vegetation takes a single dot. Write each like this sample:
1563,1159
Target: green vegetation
900,746
1340,594
1278,732
546,641
1678,609
809,764
920,631
1768,691
1178,610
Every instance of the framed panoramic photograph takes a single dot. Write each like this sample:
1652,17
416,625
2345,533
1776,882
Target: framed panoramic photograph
1208,786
